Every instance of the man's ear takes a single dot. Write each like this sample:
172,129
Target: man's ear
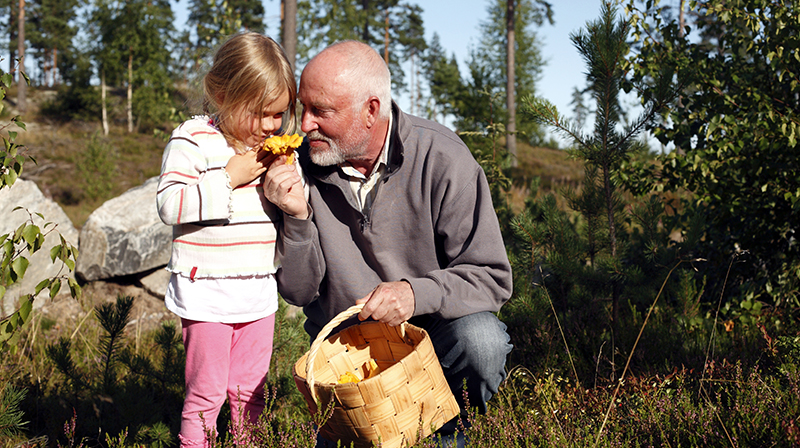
372,111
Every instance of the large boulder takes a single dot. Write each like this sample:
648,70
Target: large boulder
26,194
124,236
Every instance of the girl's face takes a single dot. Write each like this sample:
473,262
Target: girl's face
253,126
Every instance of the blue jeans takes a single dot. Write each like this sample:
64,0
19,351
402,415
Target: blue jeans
472,350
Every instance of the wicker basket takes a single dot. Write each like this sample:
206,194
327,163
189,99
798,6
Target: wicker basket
408,400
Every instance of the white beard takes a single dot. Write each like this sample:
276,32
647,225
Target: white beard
335,154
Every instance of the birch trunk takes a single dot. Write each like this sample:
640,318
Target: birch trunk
103,102
130,91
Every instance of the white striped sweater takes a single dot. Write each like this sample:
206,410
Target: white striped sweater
217,232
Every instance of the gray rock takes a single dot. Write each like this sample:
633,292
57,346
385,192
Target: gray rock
124,236
156,282
26,194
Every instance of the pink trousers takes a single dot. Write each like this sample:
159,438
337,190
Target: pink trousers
224,361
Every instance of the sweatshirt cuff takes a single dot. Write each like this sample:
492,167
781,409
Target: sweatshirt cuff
221,205
297,230
427,295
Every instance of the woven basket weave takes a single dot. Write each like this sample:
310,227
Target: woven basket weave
408,400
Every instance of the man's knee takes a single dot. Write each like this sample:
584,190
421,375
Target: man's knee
483,342
474,349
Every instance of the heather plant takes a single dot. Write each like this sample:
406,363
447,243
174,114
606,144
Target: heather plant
730,400
99,387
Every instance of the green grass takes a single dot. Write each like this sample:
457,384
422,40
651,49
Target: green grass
739,398
697,376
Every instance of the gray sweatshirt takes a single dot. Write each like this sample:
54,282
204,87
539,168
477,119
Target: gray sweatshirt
432,223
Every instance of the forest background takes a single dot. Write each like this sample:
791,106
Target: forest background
656,294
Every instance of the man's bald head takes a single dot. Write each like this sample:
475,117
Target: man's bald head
355,69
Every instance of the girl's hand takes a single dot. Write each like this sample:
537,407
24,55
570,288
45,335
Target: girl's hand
284,188
243,168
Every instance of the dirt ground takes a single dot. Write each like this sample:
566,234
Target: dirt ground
148,310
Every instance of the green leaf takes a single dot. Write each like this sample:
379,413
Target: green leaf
42,284
25,308
5,333
74,288
31,234
54,252
54,288
19,266
10,177
8,247
2,291
39,242
18,233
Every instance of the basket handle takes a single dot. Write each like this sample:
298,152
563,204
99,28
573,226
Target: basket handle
323,334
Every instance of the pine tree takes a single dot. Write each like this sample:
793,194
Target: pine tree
444,80
488,66
22,77
289,30
11,416
391,27
411,40
212,21
51,33
580,111
9,11
602,261
132,47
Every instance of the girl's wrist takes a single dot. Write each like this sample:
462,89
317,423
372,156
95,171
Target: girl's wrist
229,180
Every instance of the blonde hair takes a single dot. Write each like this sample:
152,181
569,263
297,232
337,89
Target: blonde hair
250,71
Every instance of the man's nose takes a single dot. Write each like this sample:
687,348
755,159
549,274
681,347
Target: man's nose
307,122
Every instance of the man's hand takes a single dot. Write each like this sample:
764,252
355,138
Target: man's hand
390,302
284,188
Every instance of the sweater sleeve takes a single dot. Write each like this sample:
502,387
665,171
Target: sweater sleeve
188,189
477,275
302,263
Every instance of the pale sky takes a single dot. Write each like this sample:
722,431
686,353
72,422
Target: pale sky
456,23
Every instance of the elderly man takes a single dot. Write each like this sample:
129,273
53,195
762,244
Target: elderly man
399,217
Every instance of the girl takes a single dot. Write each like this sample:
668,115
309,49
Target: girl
223,249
